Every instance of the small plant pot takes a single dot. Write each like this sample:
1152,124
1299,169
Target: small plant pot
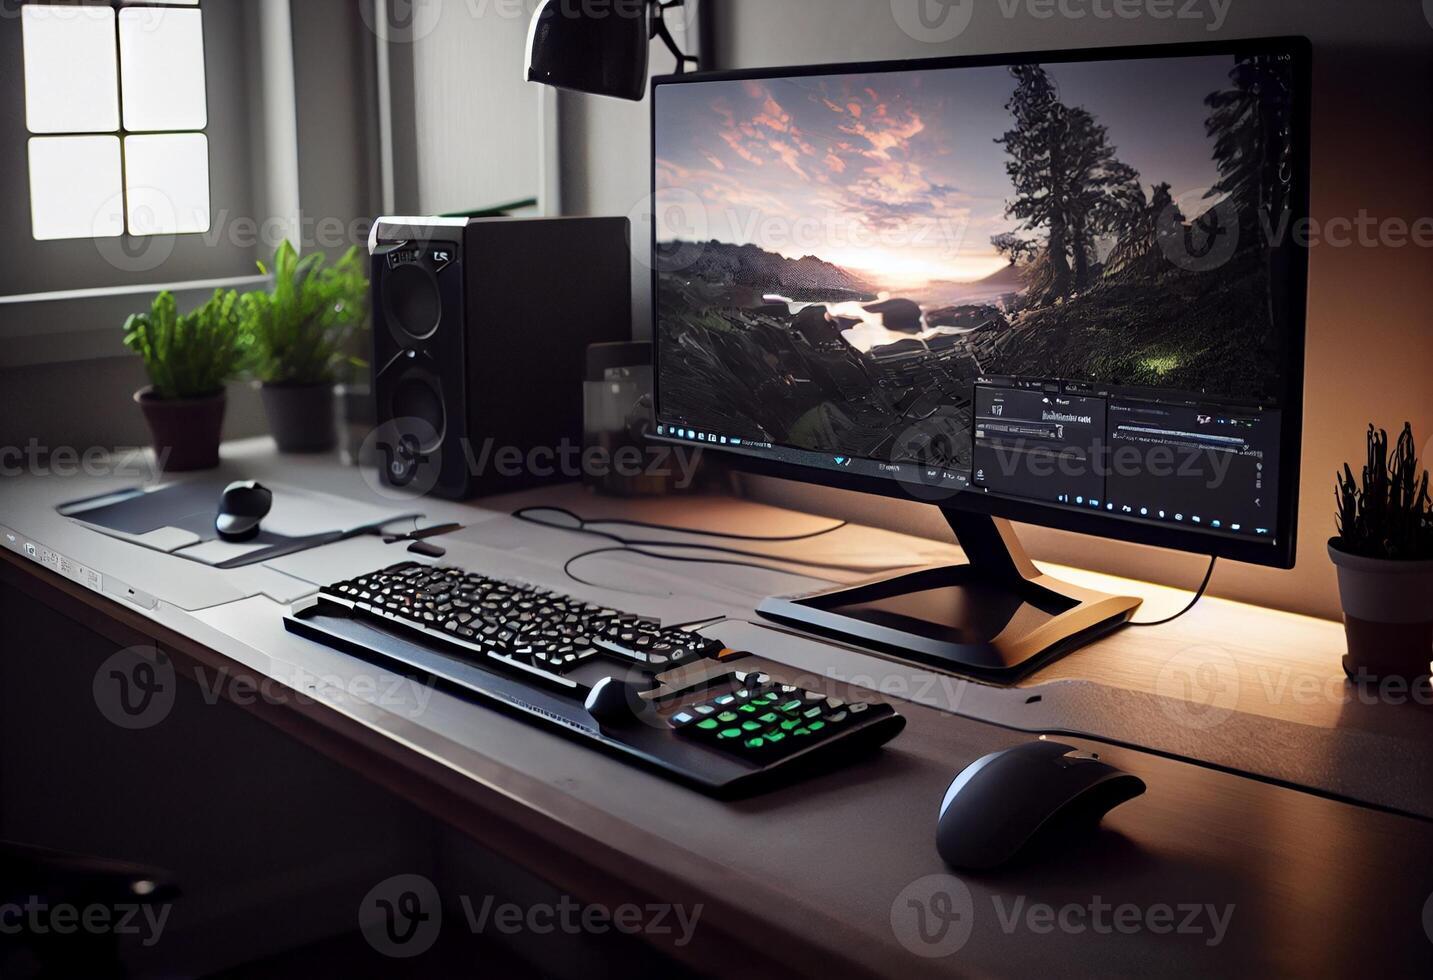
1388,616
186,431
301,417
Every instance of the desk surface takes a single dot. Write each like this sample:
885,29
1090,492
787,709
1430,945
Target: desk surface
822,877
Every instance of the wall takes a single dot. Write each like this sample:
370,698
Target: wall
606,146
475,112
1369,344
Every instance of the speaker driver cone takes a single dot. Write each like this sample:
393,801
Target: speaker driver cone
412,301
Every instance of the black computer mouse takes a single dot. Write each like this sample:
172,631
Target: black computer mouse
998,804
615,702
242,507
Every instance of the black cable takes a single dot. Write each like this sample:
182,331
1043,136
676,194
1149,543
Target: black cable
583,523
1203,588
628,549
584,527
637,546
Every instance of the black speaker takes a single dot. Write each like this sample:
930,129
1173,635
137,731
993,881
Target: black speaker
480,335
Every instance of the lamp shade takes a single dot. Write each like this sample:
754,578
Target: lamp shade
600,48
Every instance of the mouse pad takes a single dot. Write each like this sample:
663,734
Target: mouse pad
178,519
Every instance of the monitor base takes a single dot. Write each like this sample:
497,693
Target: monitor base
997,618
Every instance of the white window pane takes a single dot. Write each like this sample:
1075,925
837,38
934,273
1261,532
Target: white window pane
71,79
161,58
167,180
75,188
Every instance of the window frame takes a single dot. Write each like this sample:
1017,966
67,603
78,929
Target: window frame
45,324
126,16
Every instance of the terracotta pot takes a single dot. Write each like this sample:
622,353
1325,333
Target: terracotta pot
186,431
301,417
1388,616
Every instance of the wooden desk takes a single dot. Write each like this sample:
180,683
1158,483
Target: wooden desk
819,879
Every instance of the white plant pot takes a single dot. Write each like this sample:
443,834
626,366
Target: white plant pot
1388,615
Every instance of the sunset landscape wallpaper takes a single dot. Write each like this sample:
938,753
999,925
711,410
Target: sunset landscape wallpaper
850,252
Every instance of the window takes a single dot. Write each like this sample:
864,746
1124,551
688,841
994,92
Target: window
116,107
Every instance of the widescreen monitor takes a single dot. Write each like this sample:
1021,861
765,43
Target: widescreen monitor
1062,288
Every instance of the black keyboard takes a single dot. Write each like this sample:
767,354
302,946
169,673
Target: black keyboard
534,629
667,697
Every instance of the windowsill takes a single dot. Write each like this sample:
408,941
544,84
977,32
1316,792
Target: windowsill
51,328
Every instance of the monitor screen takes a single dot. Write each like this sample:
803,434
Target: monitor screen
1050,287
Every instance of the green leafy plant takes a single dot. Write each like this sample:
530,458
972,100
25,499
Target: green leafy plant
1388,514
300,329
190,356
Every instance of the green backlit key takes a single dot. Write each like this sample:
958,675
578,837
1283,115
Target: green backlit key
765,728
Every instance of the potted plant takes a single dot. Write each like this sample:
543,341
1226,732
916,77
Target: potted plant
189,360
1384,555
299,332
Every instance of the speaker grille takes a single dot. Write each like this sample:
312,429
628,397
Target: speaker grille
410,296
416,398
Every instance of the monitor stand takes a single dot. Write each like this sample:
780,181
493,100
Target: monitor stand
997,618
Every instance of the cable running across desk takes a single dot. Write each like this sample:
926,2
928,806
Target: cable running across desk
641,546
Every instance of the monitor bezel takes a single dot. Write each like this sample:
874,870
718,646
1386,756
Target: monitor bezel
1278,552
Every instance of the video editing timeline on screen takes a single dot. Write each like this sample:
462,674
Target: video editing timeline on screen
1135,454
1163,459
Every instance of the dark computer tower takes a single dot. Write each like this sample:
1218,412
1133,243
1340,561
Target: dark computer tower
480,335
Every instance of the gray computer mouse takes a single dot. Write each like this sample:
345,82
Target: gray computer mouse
998,804
242,508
